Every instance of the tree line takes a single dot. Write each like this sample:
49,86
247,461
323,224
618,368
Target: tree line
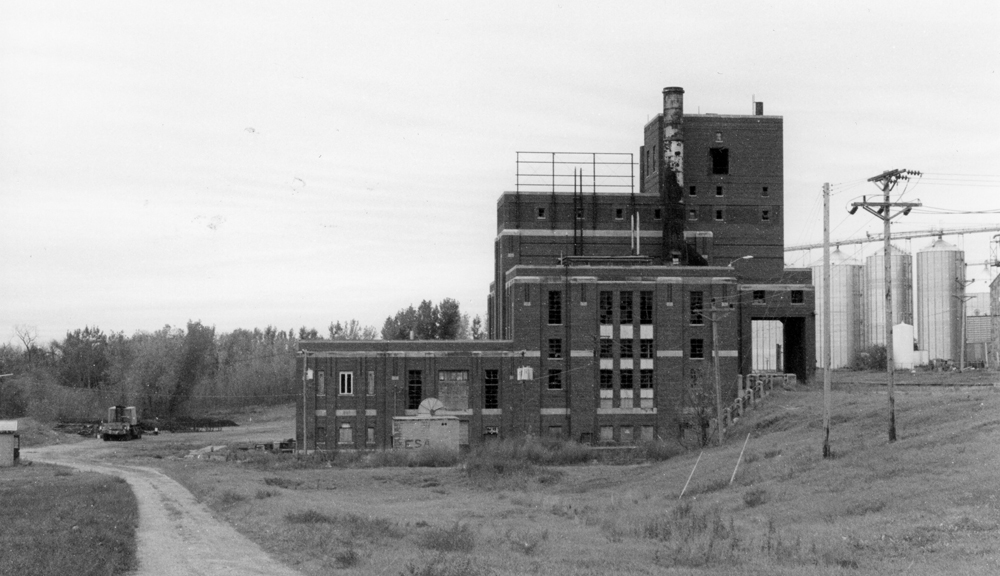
180,371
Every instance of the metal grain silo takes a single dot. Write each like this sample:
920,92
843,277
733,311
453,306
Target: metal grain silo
873,295
845,309
940,286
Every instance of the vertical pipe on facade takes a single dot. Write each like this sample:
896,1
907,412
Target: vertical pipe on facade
672,173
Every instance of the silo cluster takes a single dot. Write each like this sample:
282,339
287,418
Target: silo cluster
858,303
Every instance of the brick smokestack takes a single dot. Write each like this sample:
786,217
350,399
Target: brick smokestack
672,179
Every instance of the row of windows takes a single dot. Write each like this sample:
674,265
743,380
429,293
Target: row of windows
795,296
541,213
626,379
346,381
720,191
719,214
625,307
626,349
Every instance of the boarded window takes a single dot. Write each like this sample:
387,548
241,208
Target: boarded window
627,434
371,382
346,435
453,389
606,308
491,390
370,435
693,214
607,433
555,307
414,389
555,431
646,434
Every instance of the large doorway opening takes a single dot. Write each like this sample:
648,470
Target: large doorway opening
768,339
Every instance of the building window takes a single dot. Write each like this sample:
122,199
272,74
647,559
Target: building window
619,214
527,295
697,305
627,434
764,192
370,435
627,379
555,348
718,190
625,307
414,389
606,379
607,433
765,215
670,294
555,431
579,213
321,383
626,349
693,214
720,214
606,344
346,383
646,348
693,191
541,213
491,390
583,295
346,434
555,379
555,307
798,297
697,348
657,214
646,379
645,307
718,137
607,308
371,382
720,160
453,375
759,297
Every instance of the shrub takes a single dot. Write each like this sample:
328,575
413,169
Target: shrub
871,358
458,538
754,497
228,498
282,482
442,565
347,558
309,517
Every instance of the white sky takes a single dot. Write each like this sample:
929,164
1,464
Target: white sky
247,164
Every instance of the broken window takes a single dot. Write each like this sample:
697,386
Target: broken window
606,379
607,308
414,389
627,379
346,383
453,389
798,297
606,344
697,305
697,348
646,379
555,307
491,390
625,307
555,348
626,349
765,215
645,307
759,297
646,348
541,213
720,160
579,213
555,379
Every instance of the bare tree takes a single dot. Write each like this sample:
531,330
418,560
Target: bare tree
28,335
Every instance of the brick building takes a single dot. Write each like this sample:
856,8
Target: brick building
606,290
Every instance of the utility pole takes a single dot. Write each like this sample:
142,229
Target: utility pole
714,314
827,329
887,181
962,299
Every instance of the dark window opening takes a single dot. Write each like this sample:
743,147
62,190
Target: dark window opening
555,307
555,379
765,215
583,295
645,379
606,345
763,191
697,348
657,214
527,295
606,379
693,214
720,214
798,297
759,297
619,214
491,390
627,380
646,348
718,190
625,347
720,160
697,305
693,191
555,348
579,213
645,307
607,308
625,307
541,213
414,390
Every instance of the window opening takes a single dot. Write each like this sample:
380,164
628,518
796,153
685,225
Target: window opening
763,191
606,379
555,379
491,390
555,348
555,307
693,191
607,308
645,307
697,348
346,434
371,382
646,379
541,213
619,214
606,344
720,214
759,297
627,379
646,348
798,297
346,383
693,214
625,307
657,214
765,215
720,160
414,389
697,305
527,295
370,435
583,295
626,349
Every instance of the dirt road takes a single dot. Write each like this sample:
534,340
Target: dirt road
177,535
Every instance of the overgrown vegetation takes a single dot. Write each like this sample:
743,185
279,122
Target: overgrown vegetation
871,358
57,523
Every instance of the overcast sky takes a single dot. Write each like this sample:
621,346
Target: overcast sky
247,164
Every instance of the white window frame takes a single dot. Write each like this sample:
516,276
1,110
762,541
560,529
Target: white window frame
346,383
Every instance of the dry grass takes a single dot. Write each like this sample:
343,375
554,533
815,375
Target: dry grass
53,523
926,504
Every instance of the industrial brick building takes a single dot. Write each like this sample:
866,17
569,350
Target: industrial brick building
612,280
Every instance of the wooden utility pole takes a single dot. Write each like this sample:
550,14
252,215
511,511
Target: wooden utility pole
827,328
887,181
962,299
716,312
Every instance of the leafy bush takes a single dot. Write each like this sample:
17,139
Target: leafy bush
754,497
458,538
871,358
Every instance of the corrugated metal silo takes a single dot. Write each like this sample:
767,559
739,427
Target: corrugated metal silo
873,316
940,284
845,309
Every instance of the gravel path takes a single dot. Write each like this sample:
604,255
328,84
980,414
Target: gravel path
178,536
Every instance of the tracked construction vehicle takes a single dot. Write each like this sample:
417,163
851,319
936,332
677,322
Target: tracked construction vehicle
122,424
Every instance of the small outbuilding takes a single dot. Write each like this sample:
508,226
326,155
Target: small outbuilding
10,443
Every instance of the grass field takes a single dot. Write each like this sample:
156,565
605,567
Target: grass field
926,504
54,521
